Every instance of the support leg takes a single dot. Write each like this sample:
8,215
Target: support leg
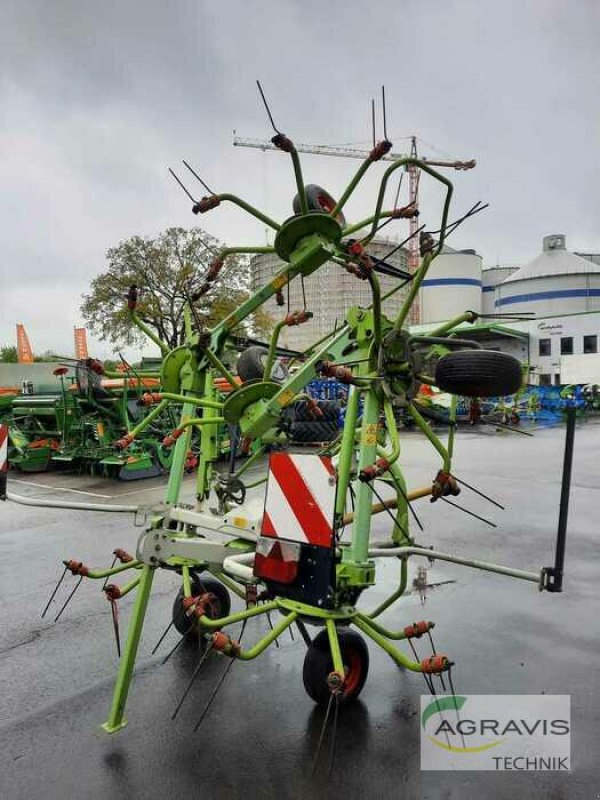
116,718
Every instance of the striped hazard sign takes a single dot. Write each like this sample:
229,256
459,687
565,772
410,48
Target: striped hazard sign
300,501
3,459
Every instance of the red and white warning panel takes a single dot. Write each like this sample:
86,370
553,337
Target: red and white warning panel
276,560
3,459
300,499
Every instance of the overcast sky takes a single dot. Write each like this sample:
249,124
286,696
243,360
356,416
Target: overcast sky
98,98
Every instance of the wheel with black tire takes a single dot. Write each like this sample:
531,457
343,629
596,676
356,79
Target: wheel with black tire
318,664
317,199
251,365
219,607
478,373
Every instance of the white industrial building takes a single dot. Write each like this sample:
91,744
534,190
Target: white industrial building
560,289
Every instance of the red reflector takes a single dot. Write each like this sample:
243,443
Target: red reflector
276,560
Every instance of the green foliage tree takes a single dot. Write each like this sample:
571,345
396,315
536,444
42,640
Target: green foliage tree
8,354
168,270
47,357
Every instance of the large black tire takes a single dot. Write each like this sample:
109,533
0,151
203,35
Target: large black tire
318,664
317,199
251,365
315,431
478,373
304,413
219,607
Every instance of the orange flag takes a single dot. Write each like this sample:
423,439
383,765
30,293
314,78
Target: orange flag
24,352
81,349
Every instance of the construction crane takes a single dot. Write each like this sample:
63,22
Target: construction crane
413,182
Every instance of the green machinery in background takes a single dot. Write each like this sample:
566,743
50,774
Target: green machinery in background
78,423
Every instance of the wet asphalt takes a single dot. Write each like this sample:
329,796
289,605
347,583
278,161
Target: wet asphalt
259,737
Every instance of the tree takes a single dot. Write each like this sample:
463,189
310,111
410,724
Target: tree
8,354
168,271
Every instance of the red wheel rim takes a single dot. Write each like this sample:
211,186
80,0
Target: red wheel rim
353,670
326,203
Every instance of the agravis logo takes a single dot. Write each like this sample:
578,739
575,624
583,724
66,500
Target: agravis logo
495,732
454,703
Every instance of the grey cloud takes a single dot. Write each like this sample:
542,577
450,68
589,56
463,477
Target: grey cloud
98,98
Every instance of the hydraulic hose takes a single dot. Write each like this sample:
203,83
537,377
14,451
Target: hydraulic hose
32,501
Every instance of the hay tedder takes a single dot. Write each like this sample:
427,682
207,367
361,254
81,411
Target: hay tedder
304,552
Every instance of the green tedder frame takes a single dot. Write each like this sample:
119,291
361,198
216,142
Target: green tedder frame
383,366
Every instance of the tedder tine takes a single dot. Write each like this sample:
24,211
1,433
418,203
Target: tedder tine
53,595
69,598
220,682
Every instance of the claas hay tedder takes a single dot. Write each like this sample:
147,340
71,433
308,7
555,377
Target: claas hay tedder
303,554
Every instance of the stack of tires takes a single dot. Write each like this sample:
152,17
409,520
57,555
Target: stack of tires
306,427
303,426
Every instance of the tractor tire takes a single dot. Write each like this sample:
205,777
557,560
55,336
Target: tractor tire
318,664
219,607
251,365
314,432
304,413
478,373
317,199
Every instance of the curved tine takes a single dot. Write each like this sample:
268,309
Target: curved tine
219,683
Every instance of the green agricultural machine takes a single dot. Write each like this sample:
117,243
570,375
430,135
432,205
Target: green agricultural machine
304,551
77,425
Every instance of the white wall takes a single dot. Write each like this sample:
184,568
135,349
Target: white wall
580,369
554,329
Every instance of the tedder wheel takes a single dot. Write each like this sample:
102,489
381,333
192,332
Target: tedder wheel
317,199
318,664
219,607
251,365
478,373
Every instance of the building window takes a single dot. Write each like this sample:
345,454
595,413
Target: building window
566,346
557,379
545,347
590,344
545,380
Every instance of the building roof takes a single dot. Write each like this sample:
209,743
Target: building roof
483,332
554,260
